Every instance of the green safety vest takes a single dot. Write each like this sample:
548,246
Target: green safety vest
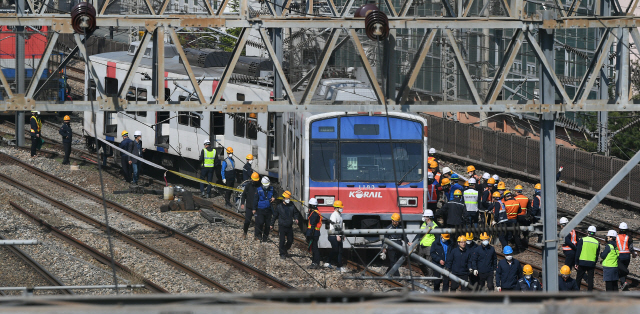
612,258
589,249
428,238
209,158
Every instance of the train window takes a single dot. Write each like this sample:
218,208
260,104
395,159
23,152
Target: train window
110,123
366,129
141,113
252,126
131,94
183,117
189,118
195,119
239,97
167,94
162,116
217,123
373,162
239,125
111,86
323,156
142,95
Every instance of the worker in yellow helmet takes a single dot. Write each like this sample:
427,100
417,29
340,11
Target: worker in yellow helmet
36,126
67,138
460,263
440,250
565,282
454,212
394,254
486,262
247,203
247,170
337,242
528,282
287,216
124,158
536,201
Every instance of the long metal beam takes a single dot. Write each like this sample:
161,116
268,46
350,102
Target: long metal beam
317,72
503,71
277,65
367,66
546,66
463,67
44,61
416,65
94,74
187,66
228,70
137,58
596,63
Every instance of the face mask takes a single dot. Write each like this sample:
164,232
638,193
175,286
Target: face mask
509,257
485,242
469,242
264,186
565,277
230,155
250,162
339,210
424,219
528,277
286,201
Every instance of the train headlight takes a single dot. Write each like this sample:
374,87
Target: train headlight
325,200
408,201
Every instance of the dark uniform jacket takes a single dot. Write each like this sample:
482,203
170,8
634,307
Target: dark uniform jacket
453,212
507,276
248,196
397,238
66,133
532,285
34,126
438,252
314,219
135,148
125,145
486,259
246,171
567,285
459,261
285,214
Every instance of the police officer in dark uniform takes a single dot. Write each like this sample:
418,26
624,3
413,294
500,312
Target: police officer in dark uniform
36,126
246,203
286,214
67,134
247,170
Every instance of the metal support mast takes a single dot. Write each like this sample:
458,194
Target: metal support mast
548,164
603,116
20,73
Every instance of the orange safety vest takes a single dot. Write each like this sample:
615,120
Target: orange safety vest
574,240
319,221
437,176
623,243
431,194
511,206
523,201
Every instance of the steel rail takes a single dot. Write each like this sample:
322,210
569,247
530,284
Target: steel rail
224,257
85,248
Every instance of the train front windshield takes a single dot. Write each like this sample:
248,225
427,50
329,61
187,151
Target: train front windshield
352,159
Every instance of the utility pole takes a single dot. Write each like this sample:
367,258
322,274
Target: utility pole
603,116
548,164
276,34
484,121
20,73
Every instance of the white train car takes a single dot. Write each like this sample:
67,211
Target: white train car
175,138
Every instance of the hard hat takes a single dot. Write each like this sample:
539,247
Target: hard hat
486,176
462,239
518,187
496,177
427,213
253,116
286,194
67,118
457,193
496,194
471,168
124,133
564,220
472,181
207,142
466,184
484,236
446,236
445,181
137,133
507,193
265,180
527,269
313,201
565,270
491,181
538,186
623,226
255,176
469,236
432,151
430,175
507,250
249,157
592,229
433,164
455,176
612,233
446,170
338,204
395,217
34,111
502,186
229,150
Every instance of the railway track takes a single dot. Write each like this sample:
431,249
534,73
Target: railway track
163,232
37,268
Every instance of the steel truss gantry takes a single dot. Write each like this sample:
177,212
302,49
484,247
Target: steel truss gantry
536,29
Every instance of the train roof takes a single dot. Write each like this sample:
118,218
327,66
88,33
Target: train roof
171,65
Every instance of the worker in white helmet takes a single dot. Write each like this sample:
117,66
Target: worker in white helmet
625,246
135,148
569,247
609,257
586,256
424,248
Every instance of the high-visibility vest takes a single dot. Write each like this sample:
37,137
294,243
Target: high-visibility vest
209,157
612,258
574,240
523,201
589,249
437,176
431,194
428,238
512,206
623,243
471,200
319,224
38,122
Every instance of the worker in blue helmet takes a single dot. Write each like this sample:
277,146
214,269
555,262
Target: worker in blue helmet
456,184
508,272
